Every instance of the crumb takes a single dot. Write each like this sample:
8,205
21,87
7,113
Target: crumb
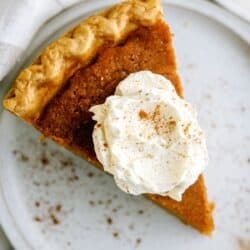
131,226
44,160
92,203
138,241
105,145
54,219
90,174
58,207
248,160
114,210
109,221
100,202
37,218
37,204
116,234
140,211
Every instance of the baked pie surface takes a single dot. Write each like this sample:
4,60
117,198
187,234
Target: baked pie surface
84,67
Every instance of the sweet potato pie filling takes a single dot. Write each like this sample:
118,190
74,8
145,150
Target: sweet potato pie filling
67,119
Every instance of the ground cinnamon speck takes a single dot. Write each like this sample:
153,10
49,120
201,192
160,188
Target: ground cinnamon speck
37,204
143,115
92,203
73,178
109,221
138,241
38,219
58,207
90,174
66,163
109,201
36,183
116,234
44,160
24,157
44,143
140,211
54,219
14,152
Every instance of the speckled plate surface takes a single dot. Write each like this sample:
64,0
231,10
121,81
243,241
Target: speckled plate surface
51,199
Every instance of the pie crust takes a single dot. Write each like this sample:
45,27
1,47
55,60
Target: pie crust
38,83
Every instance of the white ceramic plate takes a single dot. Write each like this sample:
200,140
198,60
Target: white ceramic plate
240,7
51,199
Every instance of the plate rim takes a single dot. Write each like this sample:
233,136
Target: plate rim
235,8
234,23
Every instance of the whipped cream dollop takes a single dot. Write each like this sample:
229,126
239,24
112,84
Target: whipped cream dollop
149,138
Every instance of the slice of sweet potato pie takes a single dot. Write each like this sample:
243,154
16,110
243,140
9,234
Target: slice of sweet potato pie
83,68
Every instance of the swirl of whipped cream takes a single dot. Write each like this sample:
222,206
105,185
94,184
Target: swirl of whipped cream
149,138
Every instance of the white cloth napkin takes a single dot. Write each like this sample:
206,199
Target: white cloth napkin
19,21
